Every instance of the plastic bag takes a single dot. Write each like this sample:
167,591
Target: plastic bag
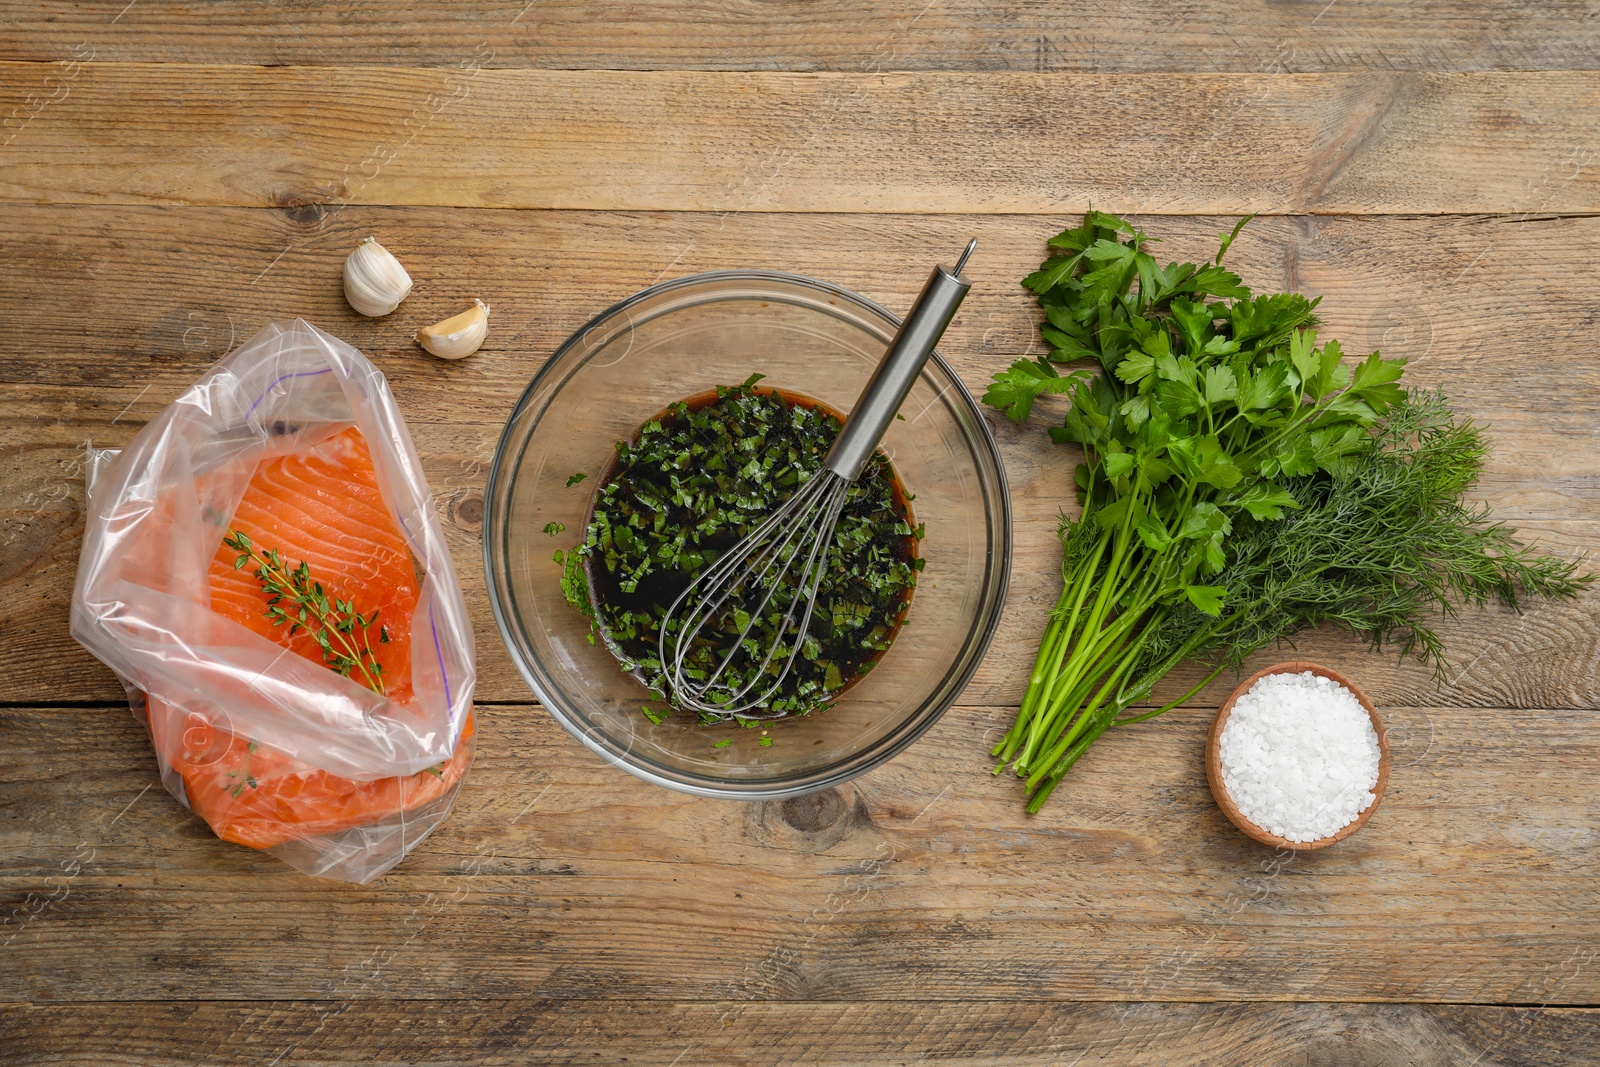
337,763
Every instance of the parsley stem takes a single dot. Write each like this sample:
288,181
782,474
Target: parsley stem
1190,695
1057,637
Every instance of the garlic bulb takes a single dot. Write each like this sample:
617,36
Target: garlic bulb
374,281
459,335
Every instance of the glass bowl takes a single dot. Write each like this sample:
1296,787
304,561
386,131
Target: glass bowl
670,342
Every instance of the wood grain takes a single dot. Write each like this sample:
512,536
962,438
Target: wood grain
713,141
988,35
513,1033
567,913
558,876
157,294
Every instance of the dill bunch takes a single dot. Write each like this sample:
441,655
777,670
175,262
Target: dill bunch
1384,545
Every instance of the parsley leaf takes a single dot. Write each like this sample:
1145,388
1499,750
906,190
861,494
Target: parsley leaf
1014,390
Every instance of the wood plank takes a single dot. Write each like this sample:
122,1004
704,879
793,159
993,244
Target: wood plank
713,141
502,1033
154,295
558,876
997,35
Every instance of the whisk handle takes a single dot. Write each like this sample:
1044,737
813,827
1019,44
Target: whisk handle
886,390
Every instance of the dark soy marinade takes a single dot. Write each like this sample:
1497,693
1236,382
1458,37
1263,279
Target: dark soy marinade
694,481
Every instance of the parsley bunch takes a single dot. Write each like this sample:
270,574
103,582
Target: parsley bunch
1240,482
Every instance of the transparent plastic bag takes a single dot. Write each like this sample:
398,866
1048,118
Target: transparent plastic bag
296,433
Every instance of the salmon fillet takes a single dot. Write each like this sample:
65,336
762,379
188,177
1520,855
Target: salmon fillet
322,506
259,796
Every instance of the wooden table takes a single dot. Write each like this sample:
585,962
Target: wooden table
174,175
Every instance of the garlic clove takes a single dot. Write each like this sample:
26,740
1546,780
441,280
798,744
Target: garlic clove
459,335
374,281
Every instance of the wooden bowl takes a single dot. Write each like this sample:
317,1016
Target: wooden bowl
1214,760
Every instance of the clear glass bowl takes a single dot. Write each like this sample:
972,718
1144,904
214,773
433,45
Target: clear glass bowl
667,343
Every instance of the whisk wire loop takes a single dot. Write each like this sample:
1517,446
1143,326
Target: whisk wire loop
802,528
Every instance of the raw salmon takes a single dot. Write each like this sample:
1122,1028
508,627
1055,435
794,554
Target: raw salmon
322,506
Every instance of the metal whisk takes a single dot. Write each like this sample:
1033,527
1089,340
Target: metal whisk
799,534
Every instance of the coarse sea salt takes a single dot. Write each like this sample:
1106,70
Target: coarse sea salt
1299,756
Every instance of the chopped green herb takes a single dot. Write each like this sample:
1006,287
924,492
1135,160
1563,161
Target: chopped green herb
724,743
657,717
696,480
553,528
575,479
764,742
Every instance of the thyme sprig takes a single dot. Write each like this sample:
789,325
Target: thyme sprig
296,600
